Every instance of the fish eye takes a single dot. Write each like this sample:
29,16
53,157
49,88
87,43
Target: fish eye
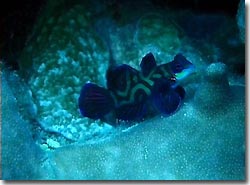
178,66
173,79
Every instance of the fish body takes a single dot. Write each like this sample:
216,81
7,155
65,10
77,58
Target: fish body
132,95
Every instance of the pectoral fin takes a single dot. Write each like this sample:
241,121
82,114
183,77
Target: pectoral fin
166,98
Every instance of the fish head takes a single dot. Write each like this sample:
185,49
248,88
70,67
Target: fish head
180,67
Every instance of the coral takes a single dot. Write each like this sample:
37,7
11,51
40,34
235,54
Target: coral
66,54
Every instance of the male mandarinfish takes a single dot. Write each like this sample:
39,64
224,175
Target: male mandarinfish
133,95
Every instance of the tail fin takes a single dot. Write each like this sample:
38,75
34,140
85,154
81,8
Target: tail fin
94,101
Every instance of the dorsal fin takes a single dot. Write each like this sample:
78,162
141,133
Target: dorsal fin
147,64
